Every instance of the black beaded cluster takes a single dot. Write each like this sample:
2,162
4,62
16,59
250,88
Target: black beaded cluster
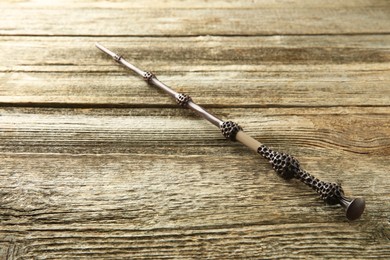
229,130
183,99
288,167
148,76
330,192
284,164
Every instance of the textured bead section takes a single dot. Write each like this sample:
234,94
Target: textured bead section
183,99
284,164
288,167
330,192
148,76
229,130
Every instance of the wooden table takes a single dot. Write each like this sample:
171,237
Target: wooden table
94,163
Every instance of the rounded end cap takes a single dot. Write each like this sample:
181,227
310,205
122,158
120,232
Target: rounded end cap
355,209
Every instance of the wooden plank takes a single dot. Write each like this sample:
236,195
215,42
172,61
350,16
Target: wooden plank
125,174
202,18
216,71
357,130
188,4
149,183
65,53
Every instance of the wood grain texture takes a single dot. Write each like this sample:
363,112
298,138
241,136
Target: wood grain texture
113,181
216,71
205,17
95,164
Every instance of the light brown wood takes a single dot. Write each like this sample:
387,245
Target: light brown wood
220,71
96,164
157,18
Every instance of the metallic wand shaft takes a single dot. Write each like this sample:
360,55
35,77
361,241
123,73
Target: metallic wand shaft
149,77
284,165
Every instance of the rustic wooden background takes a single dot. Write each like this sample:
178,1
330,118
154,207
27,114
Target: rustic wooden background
94,163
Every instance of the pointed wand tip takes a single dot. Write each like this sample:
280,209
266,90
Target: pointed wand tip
118,58
107,51
100,47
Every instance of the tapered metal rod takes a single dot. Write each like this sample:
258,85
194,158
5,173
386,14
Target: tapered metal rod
284,165
182,99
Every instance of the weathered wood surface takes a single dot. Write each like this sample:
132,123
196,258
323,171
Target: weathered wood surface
96,164
217,71
200,18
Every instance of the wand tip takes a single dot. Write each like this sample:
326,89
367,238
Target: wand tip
101,47
107,51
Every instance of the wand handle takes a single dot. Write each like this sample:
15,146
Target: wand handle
284,165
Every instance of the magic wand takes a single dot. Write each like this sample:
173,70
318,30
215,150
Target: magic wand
284,165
